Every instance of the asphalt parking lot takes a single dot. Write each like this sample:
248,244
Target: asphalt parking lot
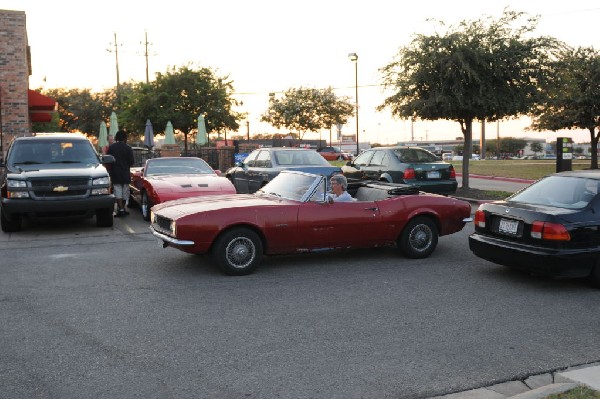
91,312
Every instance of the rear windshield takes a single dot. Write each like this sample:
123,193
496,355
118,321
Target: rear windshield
415,155
29,152
559,191
295,157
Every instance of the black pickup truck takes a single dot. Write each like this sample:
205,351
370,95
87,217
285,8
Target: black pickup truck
54,175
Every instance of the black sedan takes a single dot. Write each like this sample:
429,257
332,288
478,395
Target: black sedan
408,165
549,228
263,164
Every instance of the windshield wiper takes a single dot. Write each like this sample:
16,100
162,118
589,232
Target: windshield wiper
67,162
27,163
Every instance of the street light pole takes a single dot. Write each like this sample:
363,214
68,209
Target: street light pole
354,58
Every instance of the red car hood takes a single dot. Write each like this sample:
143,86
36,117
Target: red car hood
191,183
192,205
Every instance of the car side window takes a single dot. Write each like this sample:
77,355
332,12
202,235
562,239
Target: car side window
386,159
263,160
251,159
377,159
363,159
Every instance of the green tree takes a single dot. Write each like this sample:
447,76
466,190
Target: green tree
307,110
572,96
509,145
536,147
81,110
180,95
479,70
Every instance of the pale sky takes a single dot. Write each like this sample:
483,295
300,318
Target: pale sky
273,45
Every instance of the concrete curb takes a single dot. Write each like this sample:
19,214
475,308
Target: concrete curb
512,179
537,386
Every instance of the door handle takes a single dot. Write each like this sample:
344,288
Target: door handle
371,209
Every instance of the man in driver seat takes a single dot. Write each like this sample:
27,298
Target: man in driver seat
339,185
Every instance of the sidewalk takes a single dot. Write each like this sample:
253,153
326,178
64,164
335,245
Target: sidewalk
536,386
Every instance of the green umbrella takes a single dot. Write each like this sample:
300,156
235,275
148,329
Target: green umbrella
201,136
169,134
103,135
114,124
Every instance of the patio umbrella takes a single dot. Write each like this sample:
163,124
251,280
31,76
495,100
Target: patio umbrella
103,135
149,134
114,124
169,134
201,136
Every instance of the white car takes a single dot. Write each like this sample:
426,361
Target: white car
474,157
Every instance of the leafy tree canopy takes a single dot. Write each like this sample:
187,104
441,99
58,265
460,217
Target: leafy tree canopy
81,110
485,69
307,110
180,95
572,96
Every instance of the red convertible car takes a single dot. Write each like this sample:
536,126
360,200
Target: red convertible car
170,178
294,213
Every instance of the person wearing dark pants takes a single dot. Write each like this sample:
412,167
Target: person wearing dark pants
119,171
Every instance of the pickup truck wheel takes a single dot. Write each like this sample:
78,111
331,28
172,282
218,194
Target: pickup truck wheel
145,206
10,226
104,217
419,238
238,252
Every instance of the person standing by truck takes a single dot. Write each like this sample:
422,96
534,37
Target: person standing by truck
119,172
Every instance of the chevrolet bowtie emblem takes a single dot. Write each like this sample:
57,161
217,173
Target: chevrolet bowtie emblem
60,189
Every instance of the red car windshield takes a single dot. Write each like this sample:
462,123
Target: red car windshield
177,166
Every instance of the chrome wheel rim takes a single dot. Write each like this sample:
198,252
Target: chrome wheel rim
240,252
144,205
420,237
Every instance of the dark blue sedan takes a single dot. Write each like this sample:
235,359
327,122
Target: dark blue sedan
263,164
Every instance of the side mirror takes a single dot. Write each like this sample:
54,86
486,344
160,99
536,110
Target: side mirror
349,163
107,159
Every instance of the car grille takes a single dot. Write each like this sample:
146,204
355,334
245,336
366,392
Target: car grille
62,188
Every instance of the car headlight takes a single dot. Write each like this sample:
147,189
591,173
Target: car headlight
101,181
173,228
13,188
11,183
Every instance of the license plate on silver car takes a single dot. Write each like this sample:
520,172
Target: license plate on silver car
508,226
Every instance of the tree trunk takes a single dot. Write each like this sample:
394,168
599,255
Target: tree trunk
594,147
467,151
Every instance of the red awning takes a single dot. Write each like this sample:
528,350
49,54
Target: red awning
40,106
40,102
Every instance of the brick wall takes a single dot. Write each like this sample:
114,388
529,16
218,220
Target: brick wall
14,76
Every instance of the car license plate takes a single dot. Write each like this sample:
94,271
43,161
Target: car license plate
508,226
433,174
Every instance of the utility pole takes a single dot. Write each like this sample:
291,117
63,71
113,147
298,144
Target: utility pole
116,51
145,43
